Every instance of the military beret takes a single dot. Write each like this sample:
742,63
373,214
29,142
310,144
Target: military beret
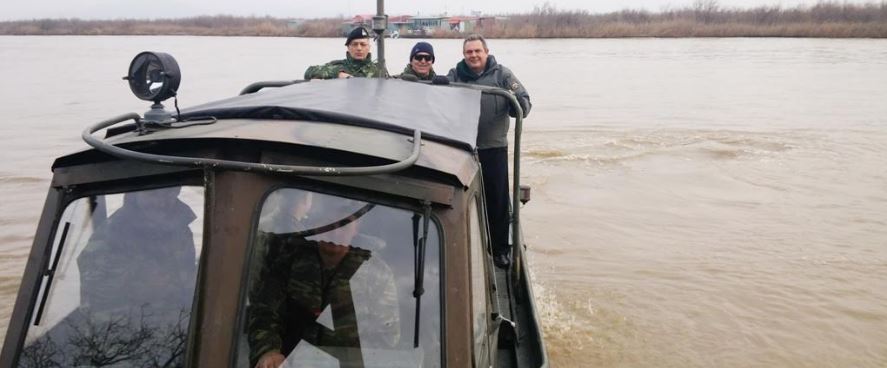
358,32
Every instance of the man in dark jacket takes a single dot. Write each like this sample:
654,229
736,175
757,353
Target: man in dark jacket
479,67
421,62
358,61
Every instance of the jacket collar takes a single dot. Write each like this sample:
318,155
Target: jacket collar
409,70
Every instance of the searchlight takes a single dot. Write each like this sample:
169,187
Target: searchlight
154,76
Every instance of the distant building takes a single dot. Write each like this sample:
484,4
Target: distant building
396,24
462,24
428,25
415,26
401,23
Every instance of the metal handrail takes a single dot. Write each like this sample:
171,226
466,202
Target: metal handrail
258,86
239,165
516,236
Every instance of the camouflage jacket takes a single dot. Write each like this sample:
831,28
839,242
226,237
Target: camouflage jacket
296,298
357,68
409,70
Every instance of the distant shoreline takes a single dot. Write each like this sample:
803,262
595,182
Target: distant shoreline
705,19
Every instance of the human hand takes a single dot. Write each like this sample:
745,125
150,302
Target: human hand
271,359
344,75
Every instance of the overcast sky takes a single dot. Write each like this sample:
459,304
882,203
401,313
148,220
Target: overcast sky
147,9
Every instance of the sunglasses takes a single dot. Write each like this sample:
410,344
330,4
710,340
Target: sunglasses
423,58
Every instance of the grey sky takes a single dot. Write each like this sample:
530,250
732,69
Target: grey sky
112,9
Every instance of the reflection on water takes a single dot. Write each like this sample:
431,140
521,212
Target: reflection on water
697,202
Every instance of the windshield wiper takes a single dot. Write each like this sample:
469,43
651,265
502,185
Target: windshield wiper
50,274
419,263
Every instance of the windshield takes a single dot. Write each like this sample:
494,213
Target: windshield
120,282
331,285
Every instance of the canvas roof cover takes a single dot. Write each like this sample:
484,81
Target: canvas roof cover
443,113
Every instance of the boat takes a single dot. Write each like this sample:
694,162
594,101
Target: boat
342,220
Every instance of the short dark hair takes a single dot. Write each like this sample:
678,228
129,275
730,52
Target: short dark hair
475,37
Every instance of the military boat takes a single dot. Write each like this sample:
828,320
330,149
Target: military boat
337,223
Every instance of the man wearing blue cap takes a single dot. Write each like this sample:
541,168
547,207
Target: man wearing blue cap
421,62
358,61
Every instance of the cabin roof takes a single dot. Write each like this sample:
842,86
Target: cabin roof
445,114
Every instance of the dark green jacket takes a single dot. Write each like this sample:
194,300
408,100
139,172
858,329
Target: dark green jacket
492,131
409,70
357,68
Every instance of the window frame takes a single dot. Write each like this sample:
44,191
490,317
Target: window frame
59,198
346,192
481,350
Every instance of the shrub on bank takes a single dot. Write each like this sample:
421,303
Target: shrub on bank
704,19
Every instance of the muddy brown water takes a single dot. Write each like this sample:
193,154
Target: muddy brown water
696,202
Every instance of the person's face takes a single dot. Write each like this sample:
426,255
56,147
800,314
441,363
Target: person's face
475,55
359,48
421,63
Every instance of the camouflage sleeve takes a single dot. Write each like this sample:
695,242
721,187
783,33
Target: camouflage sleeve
380,321
264,324
511,83
326,71
311,72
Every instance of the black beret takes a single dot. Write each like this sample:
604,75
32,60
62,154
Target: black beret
358,32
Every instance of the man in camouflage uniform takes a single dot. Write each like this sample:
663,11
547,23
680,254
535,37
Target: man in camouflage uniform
303,283
357,63
421,63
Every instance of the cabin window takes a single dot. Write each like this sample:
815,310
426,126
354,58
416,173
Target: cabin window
331,284
120,281
480,308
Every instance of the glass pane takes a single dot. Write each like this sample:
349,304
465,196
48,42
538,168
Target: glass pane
332,283
120,292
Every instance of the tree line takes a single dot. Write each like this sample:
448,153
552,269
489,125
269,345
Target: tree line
704,18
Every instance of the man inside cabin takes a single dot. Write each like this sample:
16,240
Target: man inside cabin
321,294
479,67
144,256
421,62
357,63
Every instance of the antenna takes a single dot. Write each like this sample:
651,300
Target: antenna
380,25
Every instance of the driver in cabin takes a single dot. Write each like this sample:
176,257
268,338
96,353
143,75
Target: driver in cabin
357,63
324,293
143,256
421,62
137,277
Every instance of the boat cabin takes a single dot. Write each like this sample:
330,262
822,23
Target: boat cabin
337,223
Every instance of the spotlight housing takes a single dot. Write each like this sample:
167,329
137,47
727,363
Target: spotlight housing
154,76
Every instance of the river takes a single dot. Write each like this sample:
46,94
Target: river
696,202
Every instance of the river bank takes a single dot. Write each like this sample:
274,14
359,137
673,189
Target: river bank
704,19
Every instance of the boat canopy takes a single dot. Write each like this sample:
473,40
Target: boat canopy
442,113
